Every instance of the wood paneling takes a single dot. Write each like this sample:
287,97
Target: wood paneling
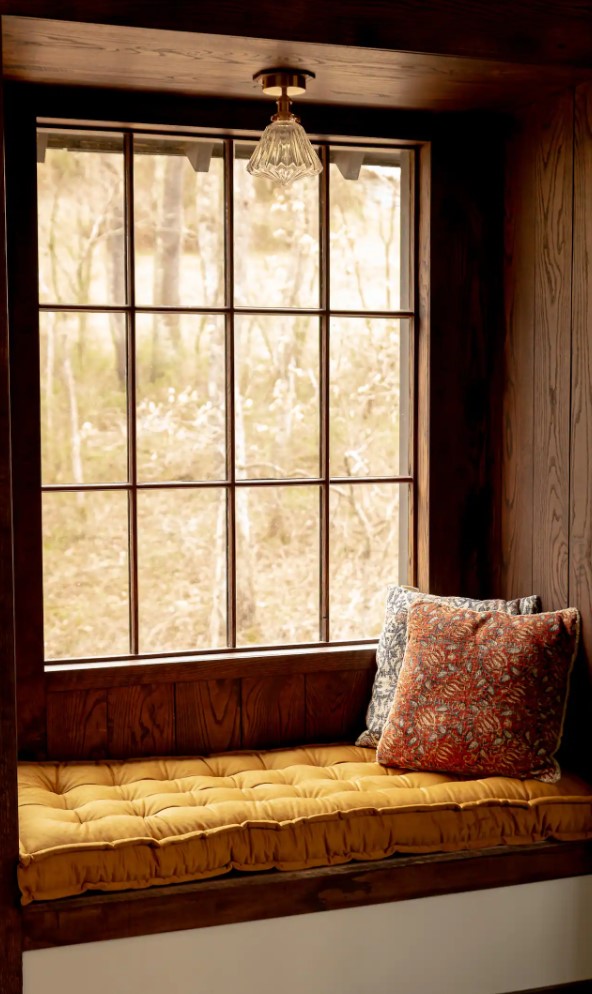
57,51
465,344
273,711
207,716
10,918
77,724
513,568
522,31
336,705
141,720
552,323
546,535
251,896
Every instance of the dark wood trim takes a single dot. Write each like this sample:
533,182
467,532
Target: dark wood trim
10,919
522,32
21,189
247,897
215,667
165,112
575,987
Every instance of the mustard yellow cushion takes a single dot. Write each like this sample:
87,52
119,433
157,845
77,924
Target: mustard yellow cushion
118,825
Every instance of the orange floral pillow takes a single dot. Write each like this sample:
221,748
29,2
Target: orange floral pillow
481,694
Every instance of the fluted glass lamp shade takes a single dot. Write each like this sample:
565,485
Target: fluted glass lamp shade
284,153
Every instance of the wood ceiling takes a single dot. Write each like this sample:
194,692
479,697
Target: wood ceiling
137,58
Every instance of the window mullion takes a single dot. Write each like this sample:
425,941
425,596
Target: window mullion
230,419
324,387
131,392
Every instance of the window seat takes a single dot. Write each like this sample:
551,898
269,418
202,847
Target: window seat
128,825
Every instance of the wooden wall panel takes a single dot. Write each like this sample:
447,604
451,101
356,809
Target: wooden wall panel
552,366
272,711
466,336
513,568
207,716
336,705
10,911
141,720
77,724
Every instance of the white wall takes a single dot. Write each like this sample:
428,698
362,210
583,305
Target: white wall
483,942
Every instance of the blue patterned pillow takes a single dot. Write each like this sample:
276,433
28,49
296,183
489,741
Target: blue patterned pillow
393,640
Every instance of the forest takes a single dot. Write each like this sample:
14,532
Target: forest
140,285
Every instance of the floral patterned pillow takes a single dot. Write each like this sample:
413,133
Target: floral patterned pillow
391,647
481,694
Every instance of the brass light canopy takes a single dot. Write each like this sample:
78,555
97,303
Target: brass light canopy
284,153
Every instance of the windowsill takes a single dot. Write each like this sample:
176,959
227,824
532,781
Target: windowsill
250,896
248,663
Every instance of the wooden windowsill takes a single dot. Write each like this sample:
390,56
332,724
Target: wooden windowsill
250,896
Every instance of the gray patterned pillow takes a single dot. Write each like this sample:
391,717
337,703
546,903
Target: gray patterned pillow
391,647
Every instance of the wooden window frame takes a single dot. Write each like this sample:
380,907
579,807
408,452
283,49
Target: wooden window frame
24,116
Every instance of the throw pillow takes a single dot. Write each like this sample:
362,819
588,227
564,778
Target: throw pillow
481,694
393,639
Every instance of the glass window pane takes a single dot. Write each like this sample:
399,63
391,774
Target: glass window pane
368,543
81,230
181,433
276,239
182,569
83,398
277,565
370,229
179,222
277,396
85,574
370,403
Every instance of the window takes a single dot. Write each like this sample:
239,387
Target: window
226,394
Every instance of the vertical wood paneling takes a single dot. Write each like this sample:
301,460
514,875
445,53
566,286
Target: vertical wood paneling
273,711
207,715
580,561
10,914
516,477
466,244
141,720
336,705
552,323
77,724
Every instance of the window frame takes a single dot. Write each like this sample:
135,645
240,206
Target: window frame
22,124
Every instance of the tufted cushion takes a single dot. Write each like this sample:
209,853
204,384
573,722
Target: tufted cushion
481,694
393,640
116,825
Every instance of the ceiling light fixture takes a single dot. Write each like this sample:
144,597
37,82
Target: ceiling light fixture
284,153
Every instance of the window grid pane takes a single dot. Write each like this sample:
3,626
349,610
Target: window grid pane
332,480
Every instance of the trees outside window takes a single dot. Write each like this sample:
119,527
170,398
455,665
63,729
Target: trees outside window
226,394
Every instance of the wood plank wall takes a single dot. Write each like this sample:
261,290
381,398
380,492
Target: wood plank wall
546,453
93,716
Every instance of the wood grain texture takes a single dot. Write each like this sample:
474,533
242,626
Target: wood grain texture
214,667
141,721
515,577
522,31
207,716
10,919
77,725
579,719
247,897
272,711
82,54
336,705
552,322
